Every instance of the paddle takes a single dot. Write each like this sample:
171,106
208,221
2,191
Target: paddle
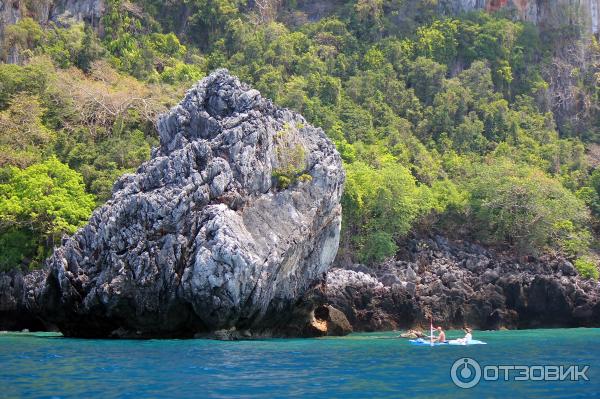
431,331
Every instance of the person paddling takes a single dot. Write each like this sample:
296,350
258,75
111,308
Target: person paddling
441,338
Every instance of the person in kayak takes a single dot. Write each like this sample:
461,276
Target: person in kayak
441,335
468,336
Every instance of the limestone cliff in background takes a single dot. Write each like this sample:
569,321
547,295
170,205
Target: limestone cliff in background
233,220
43,11
546,13
90,11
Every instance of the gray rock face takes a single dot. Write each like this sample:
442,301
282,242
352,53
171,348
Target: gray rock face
62,12
550,13
462,283
90,11
17,292
10,13
202,238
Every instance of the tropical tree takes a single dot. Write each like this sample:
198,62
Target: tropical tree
37,206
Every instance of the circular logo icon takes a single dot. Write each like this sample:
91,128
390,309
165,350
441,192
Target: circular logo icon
465,373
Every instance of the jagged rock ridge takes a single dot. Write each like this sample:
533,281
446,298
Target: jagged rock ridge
461,283
17,292
203,237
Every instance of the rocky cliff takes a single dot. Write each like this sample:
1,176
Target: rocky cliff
228,227
459,283
45,11
545,13
90,11
17,292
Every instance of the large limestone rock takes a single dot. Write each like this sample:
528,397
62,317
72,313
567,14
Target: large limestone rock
203,237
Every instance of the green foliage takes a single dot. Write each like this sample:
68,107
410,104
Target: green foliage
377,246
520,206
34,79
19,246
25,34
90,51
144,54
23,137
181,72
73,45
47,111
426,78
443,124
291,157
590,192
37,206
587,268
380,206
438,41
101,163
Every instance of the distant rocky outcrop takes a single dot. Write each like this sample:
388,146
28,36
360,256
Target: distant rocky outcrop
459,284
43,11
61,12
229,228
549,13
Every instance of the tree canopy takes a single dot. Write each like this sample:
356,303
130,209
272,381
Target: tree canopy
38,205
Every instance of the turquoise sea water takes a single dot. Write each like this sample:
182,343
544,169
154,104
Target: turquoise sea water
357,366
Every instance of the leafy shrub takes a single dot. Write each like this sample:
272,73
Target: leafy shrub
380,206
521,206
290,157
37,206
377,246
587,268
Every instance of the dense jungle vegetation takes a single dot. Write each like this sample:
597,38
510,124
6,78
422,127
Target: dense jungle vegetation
474,126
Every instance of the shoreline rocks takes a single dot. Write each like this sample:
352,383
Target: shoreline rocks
461,284
413,334
17,304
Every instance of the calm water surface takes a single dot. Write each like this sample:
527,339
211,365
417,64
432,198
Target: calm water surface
358,366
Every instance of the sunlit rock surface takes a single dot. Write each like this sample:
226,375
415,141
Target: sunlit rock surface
233,220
